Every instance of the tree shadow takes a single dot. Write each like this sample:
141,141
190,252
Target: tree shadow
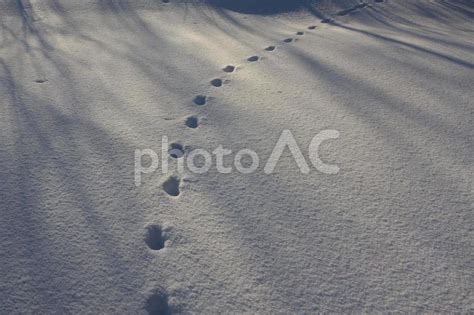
66,140
264,7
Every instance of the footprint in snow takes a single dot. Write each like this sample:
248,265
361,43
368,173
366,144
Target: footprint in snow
312,27
155,238
171,186
270,48
229,69
288,40
200,100
253,58
327,21
192,122
300,33
176,150
157,304
216,82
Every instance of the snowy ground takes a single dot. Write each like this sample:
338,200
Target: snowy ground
83,84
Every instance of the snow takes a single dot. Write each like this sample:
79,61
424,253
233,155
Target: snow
84,84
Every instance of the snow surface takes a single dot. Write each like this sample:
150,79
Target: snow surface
83,84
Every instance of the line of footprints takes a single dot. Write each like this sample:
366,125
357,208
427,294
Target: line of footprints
176,150
157,303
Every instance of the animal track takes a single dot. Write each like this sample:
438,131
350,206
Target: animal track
176,150
41,81
216,82
200,100
192,122
155,238
327,21
229,69
157,304
171,186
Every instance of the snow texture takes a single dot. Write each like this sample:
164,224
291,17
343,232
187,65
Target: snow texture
83,84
